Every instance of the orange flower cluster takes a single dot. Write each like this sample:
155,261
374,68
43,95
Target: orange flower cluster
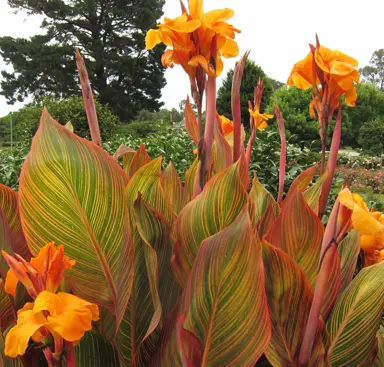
332,74
191,36
63,317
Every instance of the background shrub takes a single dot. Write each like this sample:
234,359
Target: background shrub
371,137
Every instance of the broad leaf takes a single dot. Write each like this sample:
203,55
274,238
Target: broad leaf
302,181
221,151
95,351
349,250
72,193
266,208
226,283
177,194
135,336
289,295
139,159
312,194
9,204
356,318
299,232
379,362
190,176
127,154
214,209
7,311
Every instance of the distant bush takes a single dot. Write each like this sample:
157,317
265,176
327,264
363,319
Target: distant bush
139,129
26,120
371,137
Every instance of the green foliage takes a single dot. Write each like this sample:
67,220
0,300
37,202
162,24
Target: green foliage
369,105
26,120
294,105
111,35
164,116
371,137
374,72
252,74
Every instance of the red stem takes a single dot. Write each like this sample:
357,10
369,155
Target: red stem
70,354
327,256
89,103
331,165
283,154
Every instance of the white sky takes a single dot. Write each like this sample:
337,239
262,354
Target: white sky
276,31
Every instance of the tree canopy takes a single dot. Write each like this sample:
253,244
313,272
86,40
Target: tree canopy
111,36
252,74
374,72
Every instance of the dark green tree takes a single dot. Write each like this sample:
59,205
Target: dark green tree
252,74
111,36
374,72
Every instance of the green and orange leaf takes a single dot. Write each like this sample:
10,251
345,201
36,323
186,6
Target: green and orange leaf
266,208
127,154
139,159
72,193
9,204
356,318
299,232
226,283
213,210
312,194
191,123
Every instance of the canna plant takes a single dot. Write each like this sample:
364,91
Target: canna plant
213,272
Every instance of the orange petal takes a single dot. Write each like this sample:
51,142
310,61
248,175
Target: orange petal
152,39
340,56
70,316
196,8
351,97
365,224
219,66
28,323
11,282
230,49
368,243
203,62
219,15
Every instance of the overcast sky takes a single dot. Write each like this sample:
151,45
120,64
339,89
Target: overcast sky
276,31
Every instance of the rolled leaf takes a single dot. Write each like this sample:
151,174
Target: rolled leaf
289,295
299,232
9,204
190,177
266,208
214,209
226,283
95,351
177,193
191,123
139,159
355,319
72,193
127,154
222,152
349,250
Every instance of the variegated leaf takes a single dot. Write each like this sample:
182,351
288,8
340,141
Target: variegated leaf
226,283
299,232
214,209
312,194
139,159
72,193
356,318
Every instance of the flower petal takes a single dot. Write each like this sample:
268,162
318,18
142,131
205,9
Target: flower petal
229,49
219,15
152,39
364,223
28,323
11,282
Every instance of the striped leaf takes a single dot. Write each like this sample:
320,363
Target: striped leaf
7,311
106,326
356,318
95,351
221,151
191,122
155,231
9,204
289,295
69,126
349,250
139,159
299,232
127,154
333,287
302,181
266,208
379,362
190,176
135,336
224,299
147,182
214,209
177,194
72,193
312,194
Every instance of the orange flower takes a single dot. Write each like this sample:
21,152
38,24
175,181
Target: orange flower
370,225
325,69
260,119
43,272
191,36
226,125
62,315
